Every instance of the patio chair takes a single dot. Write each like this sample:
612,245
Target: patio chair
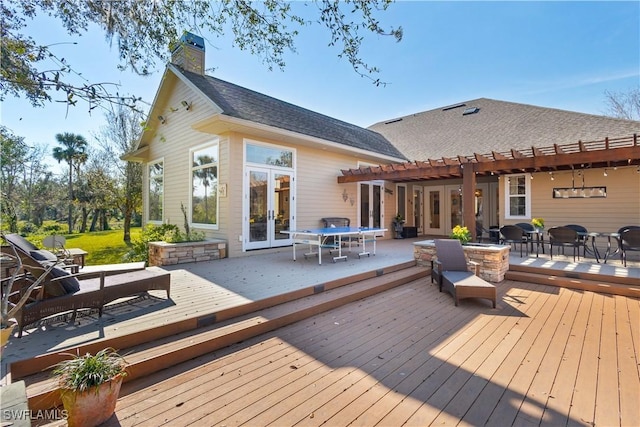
564,237
62,292
455,278
629,241
44,256
582,236
338,222
515,235
620,231
482,233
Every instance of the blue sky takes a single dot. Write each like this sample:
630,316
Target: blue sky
554,54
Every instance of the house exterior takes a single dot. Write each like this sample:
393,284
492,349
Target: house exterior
242,166
487,126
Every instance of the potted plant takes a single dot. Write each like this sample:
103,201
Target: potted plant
461,233
398,225
90,386
538,223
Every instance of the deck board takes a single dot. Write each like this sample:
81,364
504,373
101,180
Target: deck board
409,357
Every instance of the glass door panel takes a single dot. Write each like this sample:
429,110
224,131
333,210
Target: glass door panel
365,209
455,214
282,205
435,210
258,205
417,209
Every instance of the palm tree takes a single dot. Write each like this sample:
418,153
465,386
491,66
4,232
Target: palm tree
73,151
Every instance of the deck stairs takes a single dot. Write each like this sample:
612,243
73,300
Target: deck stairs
607,284
150,351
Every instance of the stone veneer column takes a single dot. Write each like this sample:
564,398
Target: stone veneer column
492,259
163,253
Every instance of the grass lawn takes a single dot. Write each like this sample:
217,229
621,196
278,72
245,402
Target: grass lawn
104,247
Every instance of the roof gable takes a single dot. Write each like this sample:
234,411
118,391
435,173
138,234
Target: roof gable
242,103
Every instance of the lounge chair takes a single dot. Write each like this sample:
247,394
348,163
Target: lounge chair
454,277
61,291
44,256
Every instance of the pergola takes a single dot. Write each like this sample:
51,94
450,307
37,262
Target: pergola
606,153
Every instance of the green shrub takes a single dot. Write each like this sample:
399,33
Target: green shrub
27,228
50,227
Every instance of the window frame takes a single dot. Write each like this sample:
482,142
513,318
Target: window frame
213,143
526,196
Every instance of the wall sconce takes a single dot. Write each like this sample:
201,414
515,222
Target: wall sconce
162,119
186,105
605,173
552,177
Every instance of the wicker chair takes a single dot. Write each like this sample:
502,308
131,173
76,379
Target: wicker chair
565,237
454,277
629,241
515,235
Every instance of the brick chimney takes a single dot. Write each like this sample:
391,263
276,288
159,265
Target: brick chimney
188,53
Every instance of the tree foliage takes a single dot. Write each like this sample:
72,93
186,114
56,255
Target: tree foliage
143,29
22,175
118,137
624,105
73,151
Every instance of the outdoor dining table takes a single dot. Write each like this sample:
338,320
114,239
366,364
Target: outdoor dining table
538,235
594,249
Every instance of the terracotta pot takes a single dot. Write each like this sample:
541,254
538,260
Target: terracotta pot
91,407
5,334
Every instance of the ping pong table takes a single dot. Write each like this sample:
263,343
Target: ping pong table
331,238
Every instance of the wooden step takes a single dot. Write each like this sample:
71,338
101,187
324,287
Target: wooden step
607,286
36,364
150,357
622,277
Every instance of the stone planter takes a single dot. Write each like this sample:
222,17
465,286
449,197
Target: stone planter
163,253
493,259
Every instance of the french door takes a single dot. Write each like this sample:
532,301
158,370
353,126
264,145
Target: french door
434,210
270,208
371,205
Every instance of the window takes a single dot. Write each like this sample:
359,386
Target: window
156,191
204,185
518,196
269,156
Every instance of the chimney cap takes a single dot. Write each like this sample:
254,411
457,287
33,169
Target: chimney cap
191,40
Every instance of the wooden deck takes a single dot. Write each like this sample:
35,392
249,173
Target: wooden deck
545,356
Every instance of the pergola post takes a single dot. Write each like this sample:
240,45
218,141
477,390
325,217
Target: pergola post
468,198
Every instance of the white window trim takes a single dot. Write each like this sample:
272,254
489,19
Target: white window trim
527,195
148,188
216,226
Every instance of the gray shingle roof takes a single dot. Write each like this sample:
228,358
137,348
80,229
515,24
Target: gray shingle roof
242,103
496,126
